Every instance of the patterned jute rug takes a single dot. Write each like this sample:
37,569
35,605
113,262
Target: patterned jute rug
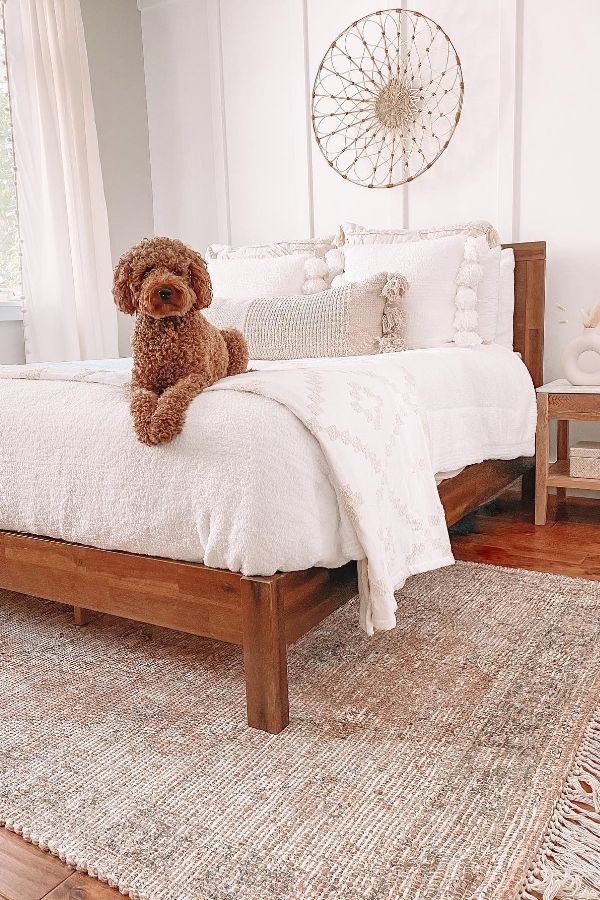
455,757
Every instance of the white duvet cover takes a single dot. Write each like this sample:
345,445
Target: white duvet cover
248,486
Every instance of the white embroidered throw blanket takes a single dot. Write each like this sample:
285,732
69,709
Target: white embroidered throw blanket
372,437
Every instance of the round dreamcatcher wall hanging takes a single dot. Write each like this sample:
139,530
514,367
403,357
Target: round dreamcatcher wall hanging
387,98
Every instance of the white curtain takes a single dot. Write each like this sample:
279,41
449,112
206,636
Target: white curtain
68,308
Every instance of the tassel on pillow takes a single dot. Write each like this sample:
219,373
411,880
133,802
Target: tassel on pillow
393,322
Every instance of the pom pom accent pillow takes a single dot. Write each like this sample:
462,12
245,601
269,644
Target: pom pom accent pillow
482,268
444,276
351,320
239,279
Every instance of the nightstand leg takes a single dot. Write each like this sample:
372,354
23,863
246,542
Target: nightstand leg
541,460
562,452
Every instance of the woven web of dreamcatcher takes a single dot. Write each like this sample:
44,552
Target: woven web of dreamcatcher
387,98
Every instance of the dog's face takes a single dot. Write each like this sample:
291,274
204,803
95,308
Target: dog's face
161,277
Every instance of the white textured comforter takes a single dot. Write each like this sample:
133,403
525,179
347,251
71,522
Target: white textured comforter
247,486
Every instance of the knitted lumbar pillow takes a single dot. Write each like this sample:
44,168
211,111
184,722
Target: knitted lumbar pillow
351,320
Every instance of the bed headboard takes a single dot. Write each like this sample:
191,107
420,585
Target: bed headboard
530,298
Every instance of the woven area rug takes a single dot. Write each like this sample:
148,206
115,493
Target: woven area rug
445,759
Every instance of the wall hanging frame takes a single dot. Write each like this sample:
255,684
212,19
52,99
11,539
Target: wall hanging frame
387,98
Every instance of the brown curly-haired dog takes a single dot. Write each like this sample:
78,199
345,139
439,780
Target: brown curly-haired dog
176,352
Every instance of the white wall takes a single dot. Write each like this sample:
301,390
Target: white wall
182,149
113,37
233,158
464,181
12,347
269,177
557,164
559,195
523,154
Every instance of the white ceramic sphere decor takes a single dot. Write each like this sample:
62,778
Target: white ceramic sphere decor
589,342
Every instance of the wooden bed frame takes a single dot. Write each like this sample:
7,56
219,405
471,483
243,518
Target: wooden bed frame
262,615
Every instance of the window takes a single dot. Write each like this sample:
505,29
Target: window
10,245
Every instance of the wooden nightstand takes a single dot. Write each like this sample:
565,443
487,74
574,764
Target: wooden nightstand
562,401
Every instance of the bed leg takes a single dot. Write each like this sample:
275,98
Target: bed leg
528,485
265,654
81,616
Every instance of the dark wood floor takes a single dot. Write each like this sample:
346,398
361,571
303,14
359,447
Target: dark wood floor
501,533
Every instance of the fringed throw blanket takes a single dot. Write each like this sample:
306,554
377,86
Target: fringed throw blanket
372,438
371,434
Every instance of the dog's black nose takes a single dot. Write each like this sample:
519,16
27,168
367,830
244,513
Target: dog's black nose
165,293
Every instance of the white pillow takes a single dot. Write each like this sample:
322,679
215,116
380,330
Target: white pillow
311,246
357,234
431,268
506,304
242,279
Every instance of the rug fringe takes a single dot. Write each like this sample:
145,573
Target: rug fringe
567,866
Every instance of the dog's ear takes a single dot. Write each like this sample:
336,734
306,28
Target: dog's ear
123,291
200,281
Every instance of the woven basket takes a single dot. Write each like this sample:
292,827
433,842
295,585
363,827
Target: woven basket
585,460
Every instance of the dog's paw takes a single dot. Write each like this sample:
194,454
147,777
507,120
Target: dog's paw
167,423
143,407
143,403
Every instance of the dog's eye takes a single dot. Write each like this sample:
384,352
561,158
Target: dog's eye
146,272
177,272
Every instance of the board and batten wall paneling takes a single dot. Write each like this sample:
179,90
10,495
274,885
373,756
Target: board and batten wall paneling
268,177
337,200
558,174
463,183
178,87
559,179
264,100
522,155
474,176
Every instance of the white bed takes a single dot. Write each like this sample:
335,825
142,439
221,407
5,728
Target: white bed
246,487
